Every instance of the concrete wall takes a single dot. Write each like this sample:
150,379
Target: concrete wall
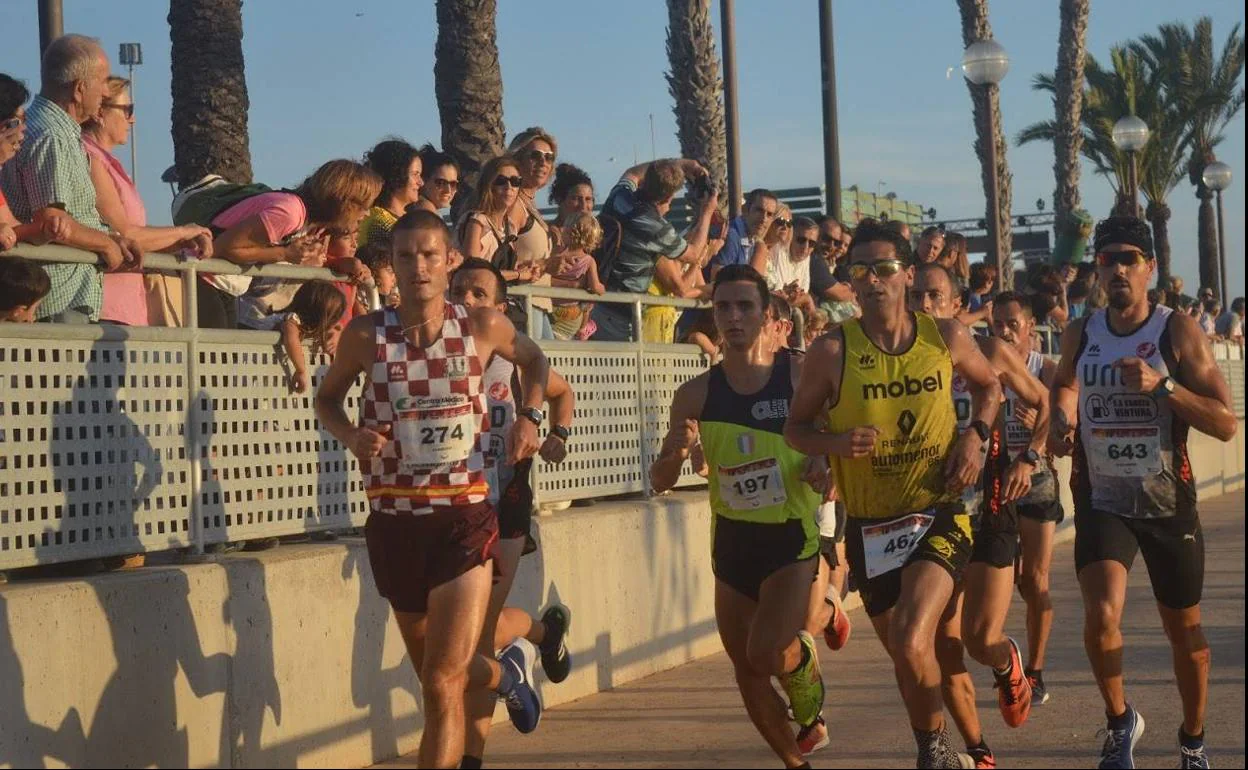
289,658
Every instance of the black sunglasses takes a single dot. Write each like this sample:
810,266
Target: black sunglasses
450,184
1124,258
537,155
127,109
503,181
784,222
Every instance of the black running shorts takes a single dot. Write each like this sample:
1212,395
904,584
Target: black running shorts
996,536
746,553
1173,548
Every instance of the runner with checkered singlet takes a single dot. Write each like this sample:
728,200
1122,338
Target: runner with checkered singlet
421,444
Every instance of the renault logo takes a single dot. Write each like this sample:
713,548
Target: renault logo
906,422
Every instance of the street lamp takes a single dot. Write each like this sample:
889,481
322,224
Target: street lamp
985,63
131,55
1217,177
1130,135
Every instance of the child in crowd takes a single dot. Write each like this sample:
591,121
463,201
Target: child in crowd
816,325
383,290
574,268
23,285
315,313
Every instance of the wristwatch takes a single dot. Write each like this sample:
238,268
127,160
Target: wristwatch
981,428
536,416
1031,457
562,431
1164,389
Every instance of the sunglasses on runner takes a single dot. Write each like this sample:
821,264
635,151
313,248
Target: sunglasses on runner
885,268
503,181
1124,258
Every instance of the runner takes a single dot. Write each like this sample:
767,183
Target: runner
1040,510
421,443
763,496
478,282
1132,380
989,581
899,464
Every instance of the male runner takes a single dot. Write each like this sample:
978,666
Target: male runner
421,444
763,496
1040,510
477,283
1132,380
898,463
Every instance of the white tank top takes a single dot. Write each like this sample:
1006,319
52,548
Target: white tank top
1017,435
1131,458
501,402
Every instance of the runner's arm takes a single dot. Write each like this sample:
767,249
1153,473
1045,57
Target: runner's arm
1064,393
562,403
499,336
966,459
681,435
818,387
355,353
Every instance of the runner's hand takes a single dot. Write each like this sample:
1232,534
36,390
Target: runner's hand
521,441
1137,375
1061,435
859,442
366,443
1017,481
1026,415
816,473
553,450
965,462
697,461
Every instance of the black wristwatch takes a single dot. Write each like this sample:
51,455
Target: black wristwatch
536,416
562,431
981,428
1031,457
1164,389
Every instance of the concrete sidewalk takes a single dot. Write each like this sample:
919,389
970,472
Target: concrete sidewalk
692,716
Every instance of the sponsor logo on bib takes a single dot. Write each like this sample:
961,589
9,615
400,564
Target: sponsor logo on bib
906,386
1146,350
906,422
499,391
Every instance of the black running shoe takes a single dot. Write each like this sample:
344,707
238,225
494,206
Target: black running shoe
556,661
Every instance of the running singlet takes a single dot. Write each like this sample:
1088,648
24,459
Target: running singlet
908,397
1131,459
501,400
754,475
1017,435
434,403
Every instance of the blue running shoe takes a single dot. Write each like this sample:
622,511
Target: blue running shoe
1192,756
524,705
1118,751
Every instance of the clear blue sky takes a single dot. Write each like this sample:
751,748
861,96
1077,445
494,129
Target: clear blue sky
326,83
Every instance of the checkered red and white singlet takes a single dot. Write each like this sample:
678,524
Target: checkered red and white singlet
434,402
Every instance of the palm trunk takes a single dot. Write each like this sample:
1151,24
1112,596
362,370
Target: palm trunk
1207,241
468,85
696,86
1068,106
209,88
986,107
1158,215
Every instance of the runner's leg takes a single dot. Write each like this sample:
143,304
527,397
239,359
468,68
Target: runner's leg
819,612
957,689
1037,549
1104,588
480,701
1191,663
926,588
988,591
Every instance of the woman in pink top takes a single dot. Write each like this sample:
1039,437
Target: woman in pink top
127,295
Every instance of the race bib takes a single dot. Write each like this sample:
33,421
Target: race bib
1129,453
435,435
753,485
888,545
1017,437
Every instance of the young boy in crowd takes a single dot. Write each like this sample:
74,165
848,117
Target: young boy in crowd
23,285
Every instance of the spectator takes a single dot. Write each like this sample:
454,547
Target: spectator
773,248
673,278
384,292
51,224
51,170
484,229
1176,290
401,170
574,268
833,298
979,302
534,149
273,227
1204,295
761,207
573,193
1230,325
931,245
833,241
133,298
441,177
1079,292
1210,310
637,234
789,265
315,313
955,259
23,285
899,227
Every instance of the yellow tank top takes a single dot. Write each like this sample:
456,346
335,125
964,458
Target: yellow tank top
908,397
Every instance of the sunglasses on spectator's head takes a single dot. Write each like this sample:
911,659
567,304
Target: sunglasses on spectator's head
803,241
885,268
126,109
503,181
1129,258
450,184
539,155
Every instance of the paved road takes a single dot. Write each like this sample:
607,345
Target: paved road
692,716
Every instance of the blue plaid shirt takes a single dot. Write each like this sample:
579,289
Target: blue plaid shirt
52,167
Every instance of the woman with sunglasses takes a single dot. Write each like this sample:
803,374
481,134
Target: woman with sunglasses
134,298
484,230
401,170
775,241
441,175
535,151
49,224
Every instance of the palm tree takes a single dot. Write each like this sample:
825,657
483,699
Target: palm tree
986,106
695,84
1207,91
1068,108
468,85
209,88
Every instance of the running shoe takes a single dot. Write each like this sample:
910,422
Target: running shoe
983,757
836,635
524,705
1192,757
556,661
935,751
811,739
1118,751
1013,691
805,685
1039,693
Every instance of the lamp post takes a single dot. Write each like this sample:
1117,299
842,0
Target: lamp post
1217,177
985,63
731,126
131,55
1130,135
831,137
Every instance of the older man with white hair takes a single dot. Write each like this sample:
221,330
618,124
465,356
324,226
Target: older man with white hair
52,171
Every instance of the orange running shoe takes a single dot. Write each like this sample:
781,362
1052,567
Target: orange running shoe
1013,690
836,635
